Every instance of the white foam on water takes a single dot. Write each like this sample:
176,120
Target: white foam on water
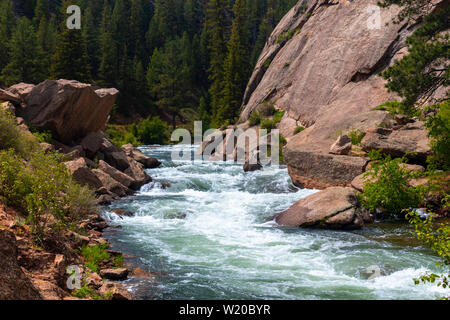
213,230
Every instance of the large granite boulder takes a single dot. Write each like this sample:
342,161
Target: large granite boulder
322,67
113,186
137,172
117,175
410,139
9,96
310,168
22,90
68,108
136,154
333,208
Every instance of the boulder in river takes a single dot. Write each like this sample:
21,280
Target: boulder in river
136,154
332,208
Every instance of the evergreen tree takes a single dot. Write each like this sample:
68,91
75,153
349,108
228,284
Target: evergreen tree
70,59
25,56
109,55
216,24
236,67
7,23
426,68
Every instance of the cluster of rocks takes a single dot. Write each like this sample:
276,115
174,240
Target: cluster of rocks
28,272
241,143
112,171
342,176
76,113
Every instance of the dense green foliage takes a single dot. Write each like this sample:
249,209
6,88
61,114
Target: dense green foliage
152,131
94,255
38,183
357,136
163,56
436,235
439,132
386,187
298,130
419,74
416,78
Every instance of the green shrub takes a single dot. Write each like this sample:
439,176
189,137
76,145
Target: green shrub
94,255
41,136
267,63
439,132
436,236
121,136
9,135
298,130
278,115
154,131
396,107
38,183
386,187
287,35
268,124
255,118
357,136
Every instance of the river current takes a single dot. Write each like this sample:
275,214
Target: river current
206,231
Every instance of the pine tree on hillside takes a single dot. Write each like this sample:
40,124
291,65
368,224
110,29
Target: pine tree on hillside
70,59
91,35
25,56
138,28
236,67
216,23
108,50
7,23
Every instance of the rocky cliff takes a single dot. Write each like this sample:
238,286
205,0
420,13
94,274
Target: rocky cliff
321,66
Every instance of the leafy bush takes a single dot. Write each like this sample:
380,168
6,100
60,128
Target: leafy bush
396,107
357,136
298,130
386,187
268,124
435,235
38,184
9,135
154,131
255,118
121,135
439,132
278,115
94,255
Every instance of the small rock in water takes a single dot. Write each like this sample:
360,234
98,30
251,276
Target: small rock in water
115,274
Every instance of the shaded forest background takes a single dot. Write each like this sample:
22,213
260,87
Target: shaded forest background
178,59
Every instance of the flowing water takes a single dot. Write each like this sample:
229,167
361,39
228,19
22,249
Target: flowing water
206,231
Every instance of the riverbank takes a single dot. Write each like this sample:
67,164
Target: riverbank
60,267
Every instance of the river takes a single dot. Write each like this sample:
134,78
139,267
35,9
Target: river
210,235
